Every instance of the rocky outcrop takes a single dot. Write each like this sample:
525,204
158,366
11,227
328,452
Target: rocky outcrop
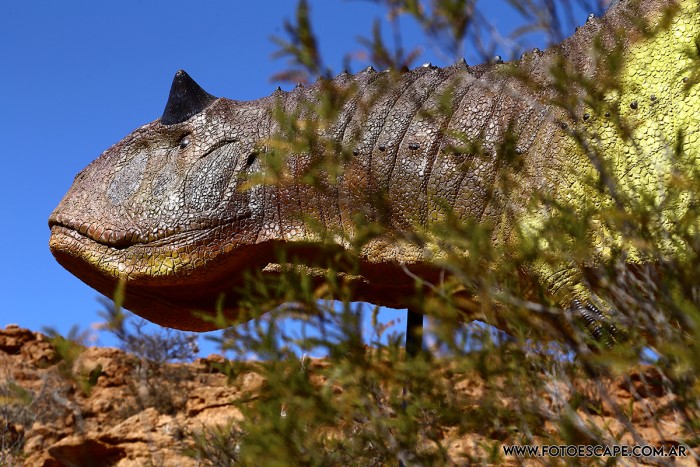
114,419
103,408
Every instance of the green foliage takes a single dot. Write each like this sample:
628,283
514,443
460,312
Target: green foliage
16,416
546,382
543,384
301,48
217,445
68,349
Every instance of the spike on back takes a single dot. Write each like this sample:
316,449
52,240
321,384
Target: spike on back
186,99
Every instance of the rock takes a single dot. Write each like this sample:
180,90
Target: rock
209,398
12,338
138,434
114,367
213,363
39,352
648,382
76,451
112,409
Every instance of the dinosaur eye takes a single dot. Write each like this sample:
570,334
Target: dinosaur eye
185,141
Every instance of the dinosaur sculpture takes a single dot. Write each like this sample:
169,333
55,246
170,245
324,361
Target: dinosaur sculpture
169,210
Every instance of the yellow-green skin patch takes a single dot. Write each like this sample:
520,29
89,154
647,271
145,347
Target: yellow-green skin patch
657,103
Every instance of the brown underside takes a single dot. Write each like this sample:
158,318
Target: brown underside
217,285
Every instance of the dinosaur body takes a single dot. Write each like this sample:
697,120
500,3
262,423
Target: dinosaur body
170,209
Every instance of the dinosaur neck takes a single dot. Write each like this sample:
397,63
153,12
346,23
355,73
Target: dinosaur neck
412,147
474,141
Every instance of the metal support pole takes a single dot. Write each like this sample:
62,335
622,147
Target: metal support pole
414,344
414,333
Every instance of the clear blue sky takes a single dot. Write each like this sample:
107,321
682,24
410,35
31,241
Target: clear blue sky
77,76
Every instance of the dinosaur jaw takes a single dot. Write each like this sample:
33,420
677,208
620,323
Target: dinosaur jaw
183,285
170,283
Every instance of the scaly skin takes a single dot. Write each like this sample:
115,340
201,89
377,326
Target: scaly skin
171,212
657,102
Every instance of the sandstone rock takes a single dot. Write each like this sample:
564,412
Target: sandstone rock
39,352
12,338
150,435
209,398
77,451
647,382
113,365
129,418
211,364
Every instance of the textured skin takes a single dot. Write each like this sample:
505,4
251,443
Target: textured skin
167,210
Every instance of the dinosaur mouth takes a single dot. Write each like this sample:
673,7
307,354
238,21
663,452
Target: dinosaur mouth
120,239
170,277
95,254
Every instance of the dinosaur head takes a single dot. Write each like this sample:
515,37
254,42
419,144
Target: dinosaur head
163,209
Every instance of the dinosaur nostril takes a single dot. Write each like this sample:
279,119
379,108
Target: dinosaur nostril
251,159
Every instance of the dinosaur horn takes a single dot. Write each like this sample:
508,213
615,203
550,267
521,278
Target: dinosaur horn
186,99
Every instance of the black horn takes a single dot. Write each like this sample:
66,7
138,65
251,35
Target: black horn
186,99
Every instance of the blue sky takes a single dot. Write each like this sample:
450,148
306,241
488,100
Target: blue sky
77,76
